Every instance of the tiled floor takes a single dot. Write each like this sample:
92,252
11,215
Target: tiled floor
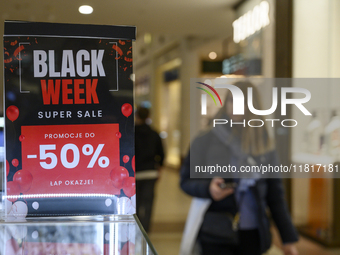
170,211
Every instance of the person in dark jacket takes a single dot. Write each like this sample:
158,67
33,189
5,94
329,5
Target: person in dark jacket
250,199
149,158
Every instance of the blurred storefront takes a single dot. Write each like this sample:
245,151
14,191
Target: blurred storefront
300,41
316,53
164,66
248,52
261,46
290,39
251,50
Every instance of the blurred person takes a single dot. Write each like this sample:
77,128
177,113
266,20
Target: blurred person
229,216
149,159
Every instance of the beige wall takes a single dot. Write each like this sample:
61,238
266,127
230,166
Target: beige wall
316,39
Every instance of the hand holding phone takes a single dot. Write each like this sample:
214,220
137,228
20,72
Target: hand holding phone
217,193
230,185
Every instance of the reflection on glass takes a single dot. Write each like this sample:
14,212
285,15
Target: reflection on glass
114,235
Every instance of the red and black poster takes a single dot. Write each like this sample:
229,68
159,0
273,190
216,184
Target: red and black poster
69,122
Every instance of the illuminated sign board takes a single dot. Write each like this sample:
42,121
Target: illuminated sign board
251,22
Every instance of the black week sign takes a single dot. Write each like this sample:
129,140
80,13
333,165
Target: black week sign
69,123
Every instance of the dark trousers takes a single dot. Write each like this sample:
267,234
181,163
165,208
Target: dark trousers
144,201
249,245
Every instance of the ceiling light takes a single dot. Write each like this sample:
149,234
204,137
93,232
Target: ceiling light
212,55
85,9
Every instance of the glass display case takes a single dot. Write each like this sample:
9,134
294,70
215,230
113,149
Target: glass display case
108,235
94,138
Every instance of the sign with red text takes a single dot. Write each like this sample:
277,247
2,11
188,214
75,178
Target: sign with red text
69,119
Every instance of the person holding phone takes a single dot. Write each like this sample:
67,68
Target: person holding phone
233,218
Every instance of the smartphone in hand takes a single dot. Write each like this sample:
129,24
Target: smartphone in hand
230,185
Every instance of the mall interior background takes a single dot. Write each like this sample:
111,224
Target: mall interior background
175,41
